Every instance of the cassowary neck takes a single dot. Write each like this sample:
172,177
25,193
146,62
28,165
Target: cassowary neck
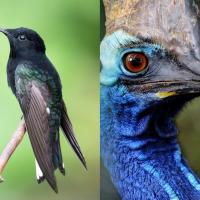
143,158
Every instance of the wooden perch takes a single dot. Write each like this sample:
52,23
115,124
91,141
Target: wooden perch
11,146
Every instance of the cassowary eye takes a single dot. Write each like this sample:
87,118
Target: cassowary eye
135,62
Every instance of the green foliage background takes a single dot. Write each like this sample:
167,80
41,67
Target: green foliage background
70,30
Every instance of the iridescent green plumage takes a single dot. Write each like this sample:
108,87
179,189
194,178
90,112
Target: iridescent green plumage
27,76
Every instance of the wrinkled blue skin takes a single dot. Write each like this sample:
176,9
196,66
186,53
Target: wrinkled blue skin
142,156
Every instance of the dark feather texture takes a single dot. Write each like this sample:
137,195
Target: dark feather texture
69,134
36,119
37,86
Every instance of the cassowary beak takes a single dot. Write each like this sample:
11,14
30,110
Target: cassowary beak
184,80
189,88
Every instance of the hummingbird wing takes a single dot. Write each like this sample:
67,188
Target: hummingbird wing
66,126
33,102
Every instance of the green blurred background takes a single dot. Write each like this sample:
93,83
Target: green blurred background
188,122
70,30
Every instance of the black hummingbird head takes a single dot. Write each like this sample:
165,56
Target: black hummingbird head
23,41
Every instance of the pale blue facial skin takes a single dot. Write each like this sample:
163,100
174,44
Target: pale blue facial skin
112,49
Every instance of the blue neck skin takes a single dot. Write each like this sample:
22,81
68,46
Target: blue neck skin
143,160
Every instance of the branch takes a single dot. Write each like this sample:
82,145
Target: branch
11,146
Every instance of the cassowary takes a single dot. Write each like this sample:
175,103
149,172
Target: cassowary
150,60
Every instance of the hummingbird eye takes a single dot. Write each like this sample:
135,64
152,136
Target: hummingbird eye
135,62
22,37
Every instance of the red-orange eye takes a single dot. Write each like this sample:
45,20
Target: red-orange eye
135,62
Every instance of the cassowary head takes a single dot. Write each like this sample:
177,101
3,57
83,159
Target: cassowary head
150,60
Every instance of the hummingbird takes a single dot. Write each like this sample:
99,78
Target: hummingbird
36,84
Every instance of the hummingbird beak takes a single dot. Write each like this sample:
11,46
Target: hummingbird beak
4,31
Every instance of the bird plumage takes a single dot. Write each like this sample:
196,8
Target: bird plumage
139,144
37,86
